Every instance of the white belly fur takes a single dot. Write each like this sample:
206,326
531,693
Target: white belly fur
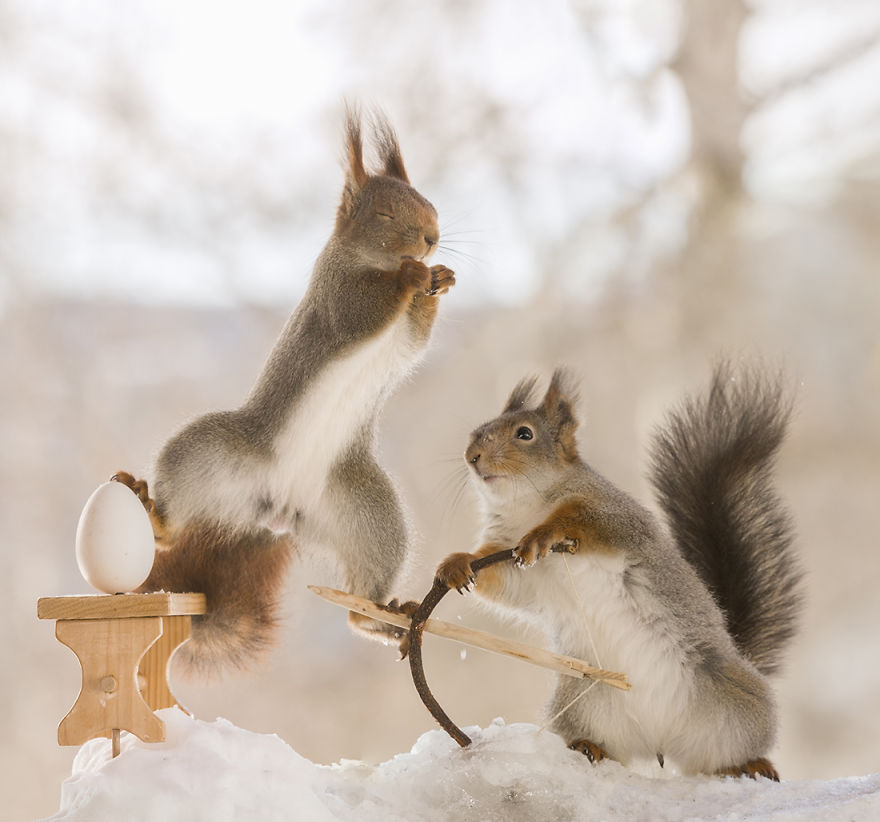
589,614
344,397
632,637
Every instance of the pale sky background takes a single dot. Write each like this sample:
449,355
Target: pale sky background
253,91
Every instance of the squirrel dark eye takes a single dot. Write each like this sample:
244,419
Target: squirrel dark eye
524,433
386,215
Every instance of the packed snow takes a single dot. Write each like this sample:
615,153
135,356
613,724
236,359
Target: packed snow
216,771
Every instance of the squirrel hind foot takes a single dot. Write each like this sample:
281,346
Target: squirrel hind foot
382,631
595,753
141,491
138,486
752,769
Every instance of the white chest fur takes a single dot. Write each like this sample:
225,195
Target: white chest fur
345,397
511,510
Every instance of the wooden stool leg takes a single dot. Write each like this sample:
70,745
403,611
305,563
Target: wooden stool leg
154,668
109,651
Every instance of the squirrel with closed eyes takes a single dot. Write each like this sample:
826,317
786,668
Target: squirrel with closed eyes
695,611
236,493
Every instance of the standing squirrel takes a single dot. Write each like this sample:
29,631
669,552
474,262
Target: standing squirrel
696,616
236,493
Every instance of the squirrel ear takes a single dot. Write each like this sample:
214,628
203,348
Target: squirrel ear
521,395
355,173
389,148
558,408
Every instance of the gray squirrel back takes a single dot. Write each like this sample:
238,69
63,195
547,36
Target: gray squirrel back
236,493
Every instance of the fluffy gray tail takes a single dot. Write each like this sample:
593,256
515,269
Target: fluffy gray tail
712,468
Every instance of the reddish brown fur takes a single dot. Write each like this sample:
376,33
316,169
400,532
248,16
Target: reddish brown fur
595,753
753,769
574,521
557,408
424,306
142,492
456,570
389,150
573,525
354,145
241,576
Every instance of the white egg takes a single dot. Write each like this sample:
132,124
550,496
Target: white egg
114,540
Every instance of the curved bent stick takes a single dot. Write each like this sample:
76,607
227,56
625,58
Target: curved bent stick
417,668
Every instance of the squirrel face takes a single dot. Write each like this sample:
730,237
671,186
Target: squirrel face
525,449
381,216
389,221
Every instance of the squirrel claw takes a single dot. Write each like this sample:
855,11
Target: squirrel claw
442,279
455,572
595,753
525,557
399,635
407,608
138,487
403,647
566,546
141,491
753,769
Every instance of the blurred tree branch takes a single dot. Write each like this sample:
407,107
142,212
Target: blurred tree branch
844,54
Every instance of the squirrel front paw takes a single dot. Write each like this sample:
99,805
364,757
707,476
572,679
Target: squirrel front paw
455,572
540,541
415,276
442,279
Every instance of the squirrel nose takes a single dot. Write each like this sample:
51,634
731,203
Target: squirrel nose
430,241
474,459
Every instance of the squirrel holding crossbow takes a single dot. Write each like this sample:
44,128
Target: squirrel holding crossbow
695,614
235,493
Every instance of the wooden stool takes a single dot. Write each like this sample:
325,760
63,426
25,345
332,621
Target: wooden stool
124,643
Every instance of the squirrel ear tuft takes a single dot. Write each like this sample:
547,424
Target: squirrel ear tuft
521,395
388,148
558,409
355,173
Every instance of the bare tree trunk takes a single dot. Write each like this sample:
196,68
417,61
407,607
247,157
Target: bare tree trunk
708,66
706,279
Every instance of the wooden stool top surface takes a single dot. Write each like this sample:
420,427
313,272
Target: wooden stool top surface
120,606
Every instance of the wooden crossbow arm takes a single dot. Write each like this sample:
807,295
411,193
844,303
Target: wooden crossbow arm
561,664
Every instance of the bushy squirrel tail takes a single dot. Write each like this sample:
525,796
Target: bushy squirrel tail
242,577
712,464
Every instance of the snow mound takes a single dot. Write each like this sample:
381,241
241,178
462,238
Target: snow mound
216,771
